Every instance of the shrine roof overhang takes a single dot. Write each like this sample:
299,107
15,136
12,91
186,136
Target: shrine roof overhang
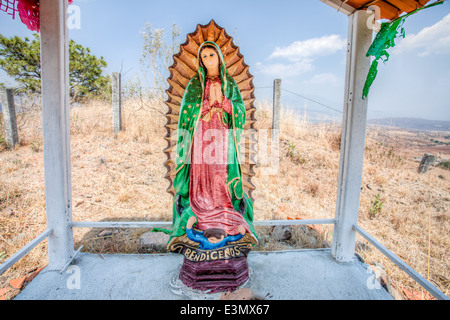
389,9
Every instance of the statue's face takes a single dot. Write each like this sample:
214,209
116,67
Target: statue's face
210,60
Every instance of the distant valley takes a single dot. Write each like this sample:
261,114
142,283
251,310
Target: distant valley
412,124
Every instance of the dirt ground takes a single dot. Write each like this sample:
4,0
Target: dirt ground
122,178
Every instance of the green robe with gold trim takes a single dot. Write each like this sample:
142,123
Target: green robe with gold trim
190,115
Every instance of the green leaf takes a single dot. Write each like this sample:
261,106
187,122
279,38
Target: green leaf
384,40
3,255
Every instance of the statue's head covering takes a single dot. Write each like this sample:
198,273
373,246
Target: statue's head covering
202,72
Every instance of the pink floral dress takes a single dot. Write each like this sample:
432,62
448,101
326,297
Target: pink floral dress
209,195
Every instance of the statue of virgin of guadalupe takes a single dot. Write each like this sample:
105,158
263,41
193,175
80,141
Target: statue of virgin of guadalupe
211,207
210,103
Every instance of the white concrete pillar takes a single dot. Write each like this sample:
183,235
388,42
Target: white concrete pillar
353,137
56,130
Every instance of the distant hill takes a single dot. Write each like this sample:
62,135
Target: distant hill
412,123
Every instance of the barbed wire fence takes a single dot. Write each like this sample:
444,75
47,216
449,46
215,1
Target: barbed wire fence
300,115
143,98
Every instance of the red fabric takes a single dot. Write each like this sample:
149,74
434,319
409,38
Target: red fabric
8,6
226,105
28,11
208,193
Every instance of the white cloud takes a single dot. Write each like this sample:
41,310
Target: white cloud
324,78
285,70
300,50
298,58
430,40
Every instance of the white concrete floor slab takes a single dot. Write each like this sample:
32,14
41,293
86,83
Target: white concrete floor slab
286,275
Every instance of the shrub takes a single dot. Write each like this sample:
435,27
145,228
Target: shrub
376,206
444,165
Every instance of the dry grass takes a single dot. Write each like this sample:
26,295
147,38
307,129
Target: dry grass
121,178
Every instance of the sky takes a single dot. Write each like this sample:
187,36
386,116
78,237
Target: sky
303,43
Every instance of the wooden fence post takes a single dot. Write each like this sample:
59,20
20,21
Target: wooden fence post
9,117
276,104
275,134
116,103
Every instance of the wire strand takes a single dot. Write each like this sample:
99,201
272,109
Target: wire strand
324,105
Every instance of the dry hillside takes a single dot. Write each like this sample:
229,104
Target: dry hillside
121,178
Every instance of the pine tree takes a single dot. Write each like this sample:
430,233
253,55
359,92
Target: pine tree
20,58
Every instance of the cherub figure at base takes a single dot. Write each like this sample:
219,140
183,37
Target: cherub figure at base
211,238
